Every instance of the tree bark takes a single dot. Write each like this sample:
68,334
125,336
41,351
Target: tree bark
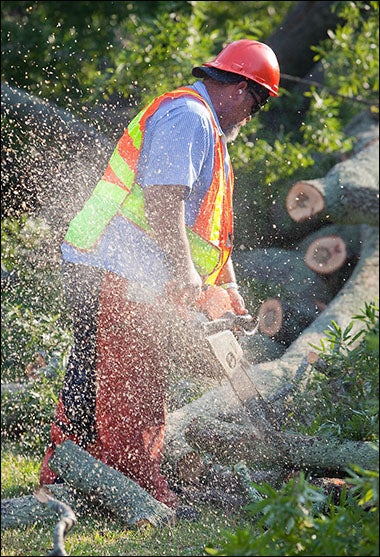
294,294
28,510
278,272
61,159
363,129
291,41
48,120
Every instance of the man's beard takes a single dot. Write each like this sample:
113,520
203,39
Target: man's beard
232,132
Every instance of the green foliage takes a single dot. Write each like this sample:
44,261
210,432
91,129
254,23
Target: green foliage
32,298
345,392
300,520
33,322
350,64
126,48
350,61
125,53
28,413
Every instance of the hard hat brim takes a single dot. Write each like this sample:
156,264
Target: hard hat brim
219,75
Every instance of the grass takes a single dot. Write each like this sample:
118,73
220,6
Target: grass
92,536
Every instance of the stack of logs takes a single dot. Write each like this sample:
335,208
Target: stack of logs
299,283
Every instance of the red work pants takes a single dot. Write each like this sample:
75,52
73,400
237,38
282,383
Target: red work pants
131,348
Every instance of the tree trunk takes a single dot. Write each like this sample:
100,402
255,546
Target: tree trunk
231,442
48,120
294,294
363,129
69,156
291,41
325,257
28,510
278,272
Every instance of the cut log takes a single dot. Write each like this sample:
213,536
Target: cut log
326,255
279,273
297,314
131,504
363,129
270,317
29,510
284,321
348,242
230,442
294,294
303,202
361,288
348,194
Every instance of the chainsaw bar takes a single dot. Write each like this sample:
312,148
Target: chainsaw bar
234,367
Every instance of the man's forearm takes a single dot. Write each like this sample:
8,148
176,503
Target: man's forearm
165,212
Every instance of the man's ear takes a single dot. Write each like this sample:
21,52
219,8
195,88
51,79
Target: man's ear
240,87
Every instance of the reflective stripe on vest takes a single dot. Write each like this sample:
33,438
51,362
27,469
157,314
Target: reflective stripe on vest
210,238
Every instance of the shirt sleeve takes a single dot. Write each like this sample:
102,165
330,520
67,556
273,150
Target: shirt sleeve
178,145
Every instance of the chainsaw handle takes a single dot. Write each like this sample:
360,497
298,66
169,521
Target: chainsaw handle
246,324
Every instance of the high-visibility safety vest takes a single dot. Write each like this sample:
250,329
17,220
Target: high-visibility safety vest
117,193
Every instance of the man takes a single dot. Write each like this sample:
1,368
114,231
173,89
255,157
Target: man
154,235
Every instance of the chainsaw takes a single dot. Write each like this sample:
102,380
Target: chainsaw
222,336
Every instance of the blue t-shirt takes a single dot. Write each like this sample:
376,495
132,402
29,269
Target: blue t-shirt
178,149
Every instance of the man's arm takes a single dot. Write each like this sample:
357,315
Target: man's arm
165,212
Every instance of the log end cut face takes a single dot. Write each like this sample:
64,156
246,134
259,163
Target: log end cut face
304,201
326,255
270,317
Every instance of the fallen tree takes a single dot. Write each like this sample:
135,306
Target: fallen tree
276,379
230,442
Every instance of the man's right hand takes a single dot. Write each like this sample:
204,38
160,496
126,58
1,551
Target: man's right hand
185,289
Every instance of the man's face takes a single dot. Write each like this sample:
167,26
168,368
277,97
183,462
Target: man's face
236,105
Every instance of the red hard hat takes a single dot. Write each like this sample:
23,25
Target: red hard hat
250,59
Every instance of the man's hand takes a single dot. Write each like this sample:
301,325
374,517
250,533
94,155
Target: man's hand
185,292
237,301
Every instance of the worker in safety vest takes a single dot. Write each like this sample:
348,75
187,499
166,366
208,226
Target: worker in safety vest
157,230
